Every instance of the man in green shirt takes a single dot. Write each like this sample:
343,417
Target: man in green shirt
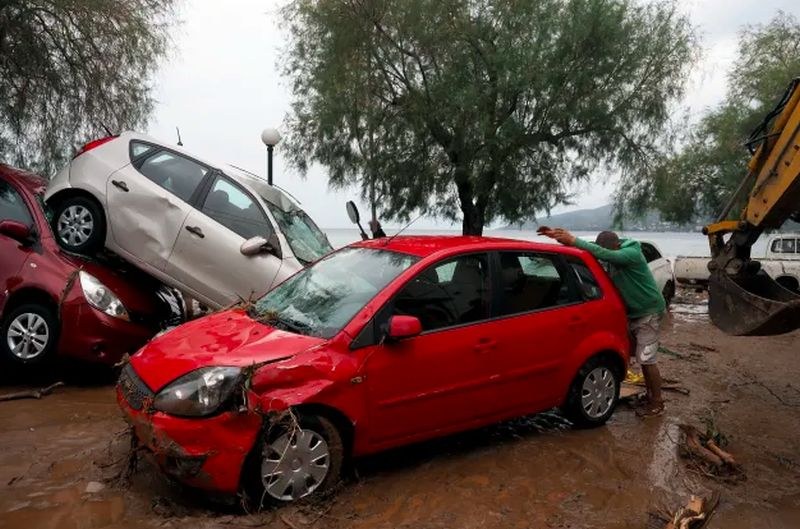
643,301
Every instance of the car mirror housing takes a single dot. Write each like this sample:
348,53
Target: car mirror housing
258,244
16,230
401,327
254,245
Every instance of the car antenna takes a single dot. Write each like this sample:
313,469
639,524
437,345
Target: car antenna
180,143
386,243
106,129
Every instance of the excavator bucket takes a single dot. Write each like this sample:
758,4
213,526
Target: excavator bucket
752,305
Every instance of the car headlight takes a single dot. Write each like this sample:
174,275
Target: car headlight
198,393
100,297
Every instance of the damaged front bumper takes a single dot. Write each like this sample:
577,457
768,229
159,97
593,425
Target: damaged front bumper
205,452
98,337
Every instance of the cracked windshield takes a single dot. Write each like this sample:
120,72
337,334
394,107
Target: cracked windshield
321,300
307,241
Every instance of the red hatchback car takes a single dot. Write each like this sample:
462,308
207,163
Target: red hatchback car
380,344
52,302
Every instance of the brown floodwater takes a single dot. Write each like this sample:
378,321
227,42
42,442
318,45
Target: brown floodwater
55,453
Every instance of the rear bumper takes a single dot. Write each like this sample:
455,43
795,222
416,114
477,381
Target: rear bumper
91,335
206,453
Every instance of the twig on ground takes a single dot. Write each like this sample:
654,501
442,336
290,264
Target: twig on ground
31,394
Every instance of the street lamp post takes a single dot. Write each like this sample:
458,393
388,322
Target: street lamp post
270,137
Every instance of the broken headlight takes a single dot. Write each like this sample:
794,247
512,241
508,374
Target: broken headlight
198,393
100,297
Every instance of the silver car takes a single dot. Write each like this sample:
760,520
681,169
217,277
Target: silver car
213,231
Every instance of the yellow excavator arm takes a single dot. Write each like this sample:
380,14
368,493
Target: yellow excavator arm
743,299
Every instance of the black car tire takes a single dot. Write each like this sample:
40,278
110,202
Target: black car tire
595,368
668,293
32,316
256,487
95,236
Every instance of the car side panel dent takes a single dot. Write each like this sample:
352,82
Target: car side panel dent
328,379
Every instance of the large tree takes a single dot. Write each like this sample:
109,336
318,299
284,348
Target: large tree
481,109
71,68
695,181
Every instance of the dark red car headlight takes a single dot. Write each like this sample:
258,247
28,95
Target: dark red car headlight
199,393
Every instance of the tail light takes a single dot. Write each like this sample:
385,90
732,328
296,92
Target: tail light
93,144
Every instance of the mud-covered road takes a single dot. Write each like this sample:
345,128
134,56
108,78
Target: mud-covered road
532,472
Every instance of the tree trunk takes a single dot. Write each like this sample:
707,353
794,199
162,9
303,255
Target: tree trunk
473,215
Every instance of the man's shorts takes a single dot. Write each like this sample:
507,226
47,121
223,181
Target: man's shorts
644,334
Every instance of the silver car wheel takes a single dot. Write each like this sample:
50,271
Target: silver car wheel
75,225
294,465
598,392
27,336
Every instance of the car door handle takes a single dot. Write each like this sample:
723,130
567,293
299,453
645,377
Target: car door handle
484,345
120,184
197,231
576,321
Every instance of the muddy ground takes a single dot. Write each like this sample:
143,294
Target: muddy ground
531,472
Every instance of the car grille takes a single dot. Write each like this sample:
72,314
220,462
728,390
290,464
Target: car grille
135,391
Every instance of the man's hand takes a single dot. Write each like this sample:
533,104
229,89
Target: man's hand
559,234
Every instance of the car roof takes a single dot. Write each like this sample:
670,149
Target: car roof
426,245
258,185
29,181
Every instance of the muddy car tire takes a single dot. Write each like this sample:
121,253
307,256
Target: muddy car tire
294,460
29,335
79,225
668,292
594,393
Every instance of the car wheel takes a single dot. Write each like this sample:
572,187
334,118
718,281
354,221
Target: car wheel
79,225
29,335
594,393
668,292
297,458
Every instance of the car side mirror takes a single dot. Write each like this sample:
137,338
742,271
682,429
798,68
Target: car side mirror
16,230
401,327
258,244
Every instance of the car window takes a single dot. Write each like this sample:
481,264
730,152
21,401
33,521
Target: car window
307,241
12,207
531,281
178,175
321,299
451,293
232,207
138,149
788,246
650,252
587,283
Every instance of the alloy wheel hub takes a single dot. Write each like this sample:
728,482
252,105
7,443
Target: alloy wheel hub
27,336
75,225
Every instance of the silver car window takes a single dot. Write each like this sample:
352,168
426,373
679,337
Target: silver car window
178,175
232,207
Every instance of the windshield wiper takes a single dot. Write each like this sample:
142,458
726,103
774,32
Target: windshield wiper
288,324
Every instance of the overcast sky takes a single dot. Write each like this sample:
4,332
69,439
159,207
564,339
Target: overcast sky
222,87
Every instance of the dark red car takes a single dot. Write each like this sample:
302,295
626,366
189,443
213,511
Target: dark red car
52,302
381,344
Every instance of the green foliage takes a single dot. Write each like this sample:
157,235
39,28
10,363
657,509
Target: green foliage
696,182
480,109
70,67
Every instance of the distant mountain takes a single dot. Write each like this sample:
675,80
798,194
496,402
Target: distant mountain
598,219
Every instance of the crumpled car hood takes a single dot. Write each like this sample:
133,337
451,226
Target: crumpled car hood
228,338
